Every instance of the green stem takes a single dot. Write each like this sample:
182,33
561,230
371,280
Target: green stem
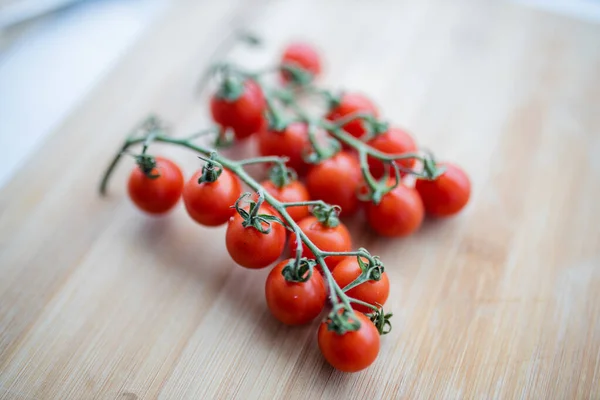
357,253
337,295
115,161
350,140
305,203
363,303
258,160
338,123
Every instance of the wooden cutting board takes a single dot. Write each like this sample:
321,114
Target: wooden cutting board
503,301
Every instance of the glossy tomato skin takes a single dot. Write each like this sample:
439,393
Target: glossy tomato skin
292,142
301,55
292,192
244,115
158,195
336,181
399,213
394,141
250,248
372,292
448,194
325,238
294,303
352,351
209,203
351,103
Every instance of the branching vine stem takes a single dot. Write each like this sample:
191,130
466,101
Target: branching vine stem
338,298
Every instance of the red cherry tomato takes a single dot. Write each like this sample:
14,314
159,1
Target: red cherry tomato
336,181
250,248
446,195
399,213
352,103
292,192
325,238
394,141
301,55
156,195
353,351
209,203
294,303
292,142
372,292
244,115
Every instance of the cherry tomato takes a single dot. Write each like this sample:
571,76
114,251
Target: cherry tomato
446,195
156,195
399,213
351,103
294,303
292,142
292,192
353,351
209,203
325,238
244,115
372,292
250,248
394,141
301,55
336,181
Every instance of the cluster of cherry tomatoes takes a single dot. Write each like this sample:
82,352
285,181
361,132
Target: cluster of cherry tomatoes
256,237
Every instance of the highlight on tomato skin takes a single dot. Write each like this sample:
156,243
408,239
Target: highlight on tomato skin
448,194
352,351
156,195
294,303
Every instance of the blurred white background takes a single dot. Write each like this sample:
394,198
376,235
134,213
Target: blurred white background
53,52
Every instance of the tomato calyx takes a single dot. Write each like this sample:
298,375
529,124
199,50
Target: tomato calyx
281,176
375,128
327,215
334,100
231,88
431,171
372,270
297,75
251,217
381,320
342,319
210,171
298,270
320,152
374,189
147,165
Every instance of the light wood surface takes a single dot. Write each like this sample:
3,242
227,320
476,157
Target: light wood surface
503,301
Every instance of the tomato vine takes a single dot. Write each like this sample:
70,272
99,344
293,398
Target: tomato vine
243,105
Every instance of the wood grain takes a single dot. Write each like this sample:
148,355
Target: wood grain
503,301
